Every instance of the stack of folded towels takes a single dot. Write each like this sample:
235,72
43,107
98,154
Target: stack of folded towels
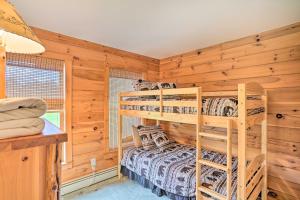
20,117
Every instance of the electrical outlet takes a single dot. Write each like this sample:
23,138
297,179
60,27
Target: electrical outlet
93,163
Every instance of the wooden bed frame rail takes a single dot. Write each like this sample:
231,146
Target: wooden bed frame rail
252,178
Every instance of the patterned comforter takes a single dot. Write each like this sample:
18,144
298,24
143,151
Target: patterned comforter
211,106
174,169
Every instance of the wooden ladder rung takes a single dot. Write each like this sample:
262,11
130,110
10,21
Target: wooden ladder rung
213,135
212,164
212,193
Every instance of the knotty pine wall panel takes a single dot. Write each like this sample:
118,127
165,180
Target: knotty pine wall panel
90,62
271,58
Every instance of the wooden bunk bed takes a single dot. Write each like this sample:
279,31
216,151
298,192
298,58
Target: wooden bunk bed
252,165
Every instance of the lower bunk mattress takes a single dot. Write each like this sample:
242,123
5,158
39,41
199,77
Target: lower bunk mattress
172,172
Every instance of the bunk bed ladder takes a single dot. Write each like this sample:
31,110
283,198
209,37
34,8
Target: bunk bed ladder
227,168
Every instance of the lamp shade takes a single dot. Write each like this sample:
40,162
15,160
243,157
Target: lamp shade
15,35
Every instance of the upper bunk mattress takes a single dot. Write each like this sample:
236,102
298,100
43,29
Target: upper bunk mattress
227,107
174,169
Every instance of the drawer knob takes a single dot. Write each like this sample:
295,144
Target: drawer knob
25,158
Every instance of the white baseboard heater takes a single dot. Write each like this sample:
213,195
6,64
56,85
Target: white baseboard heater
88,180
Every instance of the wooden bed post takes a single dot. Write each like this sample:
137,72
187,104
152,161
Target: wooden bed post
199,151
264,145
120,125
242,142
229,159
161,102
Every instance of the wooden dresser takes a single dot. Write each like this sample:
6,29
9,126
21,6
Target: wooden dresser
30,166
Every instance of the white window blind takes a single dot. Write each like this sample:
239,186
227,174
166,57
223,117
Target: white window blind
120,81
35,76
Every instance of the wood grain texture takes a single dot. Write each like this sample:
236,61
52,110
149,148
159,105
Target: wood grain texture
272,59
53,172
22,174
242,143
30,166
89,63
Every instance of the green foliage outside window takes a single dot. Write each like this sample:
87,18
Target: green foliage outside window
53,117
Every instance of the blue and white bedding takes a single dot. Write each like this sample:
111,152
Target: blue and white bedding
174,169
210,106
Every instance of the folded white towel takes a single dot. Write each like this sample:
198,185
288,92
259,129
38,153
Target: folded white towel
21,127
20,117
21,108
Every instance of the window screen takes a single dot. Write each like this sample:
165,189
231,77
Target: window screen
35,76
120,81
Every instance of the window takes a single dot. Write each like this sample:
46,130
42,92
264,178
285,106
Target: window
36,76
53,117
120,81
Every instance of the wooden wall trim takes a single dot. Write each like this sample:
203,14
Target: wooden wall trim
68,110
68,60
2,72
106,108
